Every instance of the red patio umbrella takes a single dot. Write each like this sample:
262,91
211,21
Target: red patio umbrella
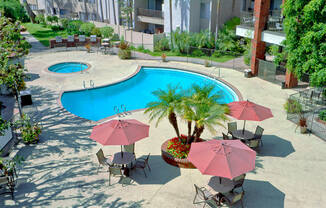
223,158
120,132
249,111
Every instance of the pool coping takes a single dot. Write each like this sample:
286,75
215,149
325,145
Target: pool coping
69,73
236,91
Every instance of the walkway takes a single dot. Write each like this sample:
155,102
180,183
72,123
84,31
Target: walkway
60,171
36,45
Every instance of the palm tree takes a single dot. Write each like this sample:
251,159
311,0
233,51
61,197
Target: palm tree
114,15
201,107
167,105
29,11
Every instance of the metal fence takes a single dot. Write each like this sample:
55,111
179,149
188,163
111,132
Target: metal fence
270,72
312,102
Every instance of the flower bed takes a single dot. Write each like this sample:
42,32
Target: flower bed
170,159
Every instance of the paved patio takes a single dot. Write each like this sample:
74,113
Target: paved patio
60,171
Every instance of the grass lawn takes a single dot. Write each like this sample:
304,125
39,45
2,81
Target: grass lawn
42,33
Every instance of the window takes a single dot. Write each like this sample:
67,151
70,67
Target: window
204,10
33,7
63,11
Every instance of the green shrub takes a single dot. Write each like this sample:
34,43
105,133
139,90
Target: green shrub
64,22
107,32
74,27
49,19
162,45
247,53
204,39
197,53
293,106
228,41
14,10
40,19
181,41
87,28
217,54
322,115
55,19
96,31
124,53
55,28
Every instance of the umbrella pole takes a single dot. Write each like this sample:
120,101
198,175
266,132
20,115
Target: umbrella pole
220,179
121,151
244,125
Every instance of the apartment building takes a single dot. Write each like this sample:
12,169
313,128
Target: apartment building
264,25
79,9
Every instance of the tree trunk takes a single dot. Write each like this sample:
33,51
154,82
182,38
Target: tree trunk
189,132
199,131
86,11
114,15
131,6
29,11
18,100
174,122
102,15
171,28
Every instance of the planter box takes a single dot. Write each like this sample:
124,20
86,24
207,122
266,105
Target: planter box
5,141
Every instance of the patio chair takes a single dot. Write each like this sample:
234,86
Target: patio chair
130,148
232,126
204,196
81,40
8,182
225,137
253,144
232,198
70,41
143,163
59,42
258,134
238,182
102,160
117,171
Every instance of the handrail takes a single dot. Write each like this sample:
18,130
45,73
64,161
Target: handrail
150,13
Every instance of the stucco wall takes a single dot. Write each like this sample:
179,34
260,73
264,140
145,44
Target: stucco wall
180,14
108,15
228,10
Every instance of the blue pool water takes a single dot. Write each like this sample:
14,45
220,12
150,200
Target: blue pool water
68,67
98,103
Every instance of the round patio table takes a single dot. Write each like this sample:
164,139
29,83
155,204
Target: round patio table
122,158
220,185
243,135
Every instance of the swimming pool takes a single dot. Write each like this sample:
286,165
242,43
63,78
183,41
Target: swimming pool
68,67
98,103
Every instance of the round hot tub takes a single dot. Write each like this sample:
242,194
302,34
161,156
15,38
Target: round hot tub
68,67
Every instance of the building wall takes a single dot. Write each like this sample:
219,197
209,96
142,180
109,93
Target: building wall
108,15
180,13
140,26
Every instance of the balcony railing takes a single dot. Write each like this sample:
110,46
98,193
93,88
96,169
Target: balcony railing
150,13
247,19
275,21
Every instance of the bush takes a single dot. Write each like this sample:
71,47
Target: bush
228,41
217,54
14,10
56,28
322,115
40,19
107,32
74,27
124,53
96,31
181,41
86,28
293,106
197,53
247,53
55,19
64,22
49,19
162,45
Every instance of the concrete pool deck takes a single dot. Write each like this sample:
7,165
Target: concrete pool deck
61,171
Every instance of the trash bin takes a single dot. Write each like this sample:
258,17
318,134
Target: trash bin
247,73
283,85
26,98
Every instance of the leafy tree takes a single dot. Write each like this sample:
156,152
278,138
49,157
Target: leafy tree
107,32
12,45
305,28
14,10
87,28
167,105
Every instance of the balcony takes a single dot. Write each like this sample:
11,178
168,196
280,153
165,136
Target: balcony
150,16
275,21
247,19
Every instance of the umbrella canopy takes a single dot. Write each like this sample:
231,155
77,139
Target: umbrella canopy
223,158
246,110
120,132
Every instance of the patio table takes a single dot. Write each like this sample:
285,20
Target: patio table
123,158
220,185
243,135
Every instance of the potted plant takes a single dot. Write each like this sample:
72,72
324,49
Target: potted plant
30,132
302,123
8,167
293,106
124,50
88,47
163,56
